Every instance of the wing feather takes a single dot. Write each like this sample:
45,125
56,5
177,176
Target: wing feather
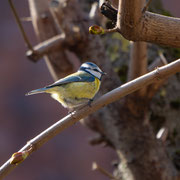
76,77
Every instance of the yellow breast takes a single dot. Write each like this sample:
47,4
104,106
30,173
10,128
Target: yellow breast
76,93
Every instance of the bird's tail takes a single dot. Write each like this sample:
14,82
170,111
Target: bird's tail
37,91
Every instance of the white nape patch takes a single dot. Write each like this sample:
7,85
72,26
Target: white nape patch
94,73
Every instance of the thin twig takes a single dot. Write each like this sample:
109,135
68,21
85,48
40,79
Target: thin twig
95,166
46,46
146,6
26,19
153,88
98,30
110,97
158,62
110,30
28,44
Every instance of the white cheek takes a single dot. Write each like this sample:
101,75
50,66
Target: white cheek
96,74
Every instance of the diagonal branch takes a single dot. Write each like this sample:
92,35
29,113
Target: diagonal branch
95,166
146,6
104,100
27,42
46,47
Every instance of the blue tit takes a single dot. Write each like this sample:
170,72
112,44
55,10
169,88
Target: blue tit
76,89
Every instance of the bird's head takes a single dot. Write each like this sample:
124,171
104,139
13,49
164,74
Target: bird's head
92,69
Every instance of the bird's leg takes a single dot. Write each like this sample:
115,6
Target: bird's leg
72,112
82,106
90,102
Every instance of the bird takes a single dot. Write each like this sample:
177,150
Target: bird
77,89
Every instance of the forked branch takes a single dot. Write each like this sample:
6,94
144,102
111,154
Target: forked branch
136,25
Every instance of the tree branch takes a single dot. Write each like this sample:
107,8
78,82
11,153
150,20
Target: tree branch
138,62
146,6
46,47
28,44
150,27
104,100
153,88
45,28
160,61
95,166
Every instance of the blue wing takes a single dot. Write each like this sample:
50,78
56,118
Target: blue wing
76,77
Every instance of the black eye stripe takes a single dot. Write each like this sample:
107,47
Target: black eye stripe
92,69
89,68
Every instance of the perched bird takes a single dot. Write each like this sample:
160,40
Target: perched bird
76,89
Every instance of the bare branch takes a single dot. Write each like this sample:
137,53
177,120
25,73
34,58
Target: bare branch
146,6
26,19
46,46
160,61
104,100
45,28
95,166
28,44
129,13
150,27
138,62
153,88
100,30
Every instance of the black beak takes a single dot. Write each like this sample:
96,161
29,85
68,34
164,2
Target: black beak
103,73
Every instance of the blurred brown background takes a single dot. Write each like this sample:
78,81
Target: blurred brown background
68,156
